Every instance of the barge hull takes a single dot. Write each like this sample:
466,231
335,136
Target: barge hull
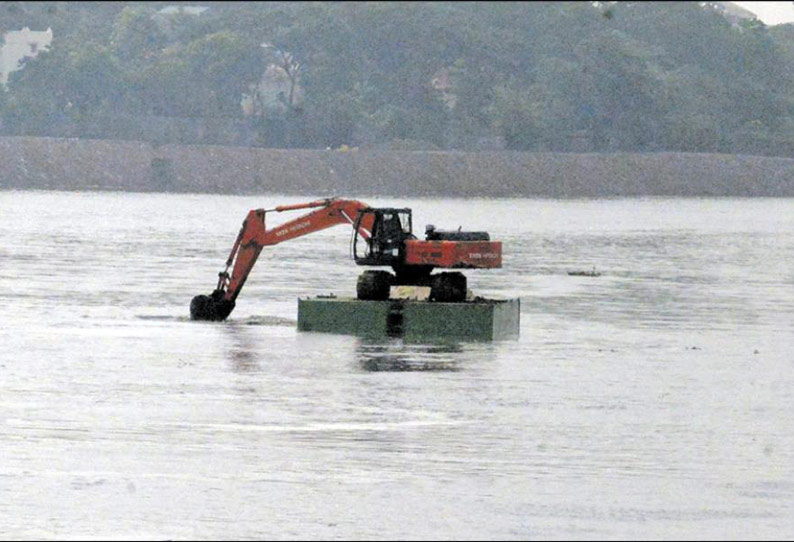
485,320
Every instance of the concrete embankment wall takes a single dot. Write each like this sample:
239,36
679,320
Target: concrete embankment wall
72,164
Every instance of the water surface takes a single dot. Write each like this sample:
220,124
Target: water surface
653,401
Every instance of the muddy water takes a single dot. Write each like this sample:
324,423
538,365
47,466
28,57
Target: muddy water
653,401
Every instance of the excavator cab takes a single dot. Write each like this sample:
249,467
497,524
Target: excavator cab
386,243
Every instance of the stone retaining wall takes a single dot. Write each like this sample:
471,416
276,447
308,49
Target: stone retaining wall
79,164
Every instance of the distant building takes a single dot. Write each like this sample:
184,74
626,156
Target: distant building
441,82
165,16
271,91
21,44
189,10
733,13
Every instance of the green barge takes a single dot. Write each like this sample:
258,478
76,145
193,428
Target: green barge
476,320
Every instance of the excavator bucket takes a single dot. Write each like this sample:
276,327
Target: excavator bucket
211,307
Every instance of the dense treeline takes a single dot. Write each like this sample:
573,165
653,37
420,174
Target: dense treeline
556,76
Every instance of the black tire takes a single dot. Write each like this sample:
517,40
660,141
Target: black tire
448,287
374,285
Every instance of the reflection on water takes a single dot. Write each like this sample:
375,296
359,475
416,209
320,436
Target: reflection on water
653,401
242,350
397,355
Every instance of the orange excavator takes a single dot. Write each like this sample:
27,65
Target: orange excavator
381,237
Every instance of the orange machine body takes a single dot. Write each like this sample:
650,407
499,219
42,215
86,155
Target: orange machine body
454,254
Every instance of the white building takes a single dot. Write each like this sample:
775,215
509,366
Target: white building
20,44
272,91
189,10
733,12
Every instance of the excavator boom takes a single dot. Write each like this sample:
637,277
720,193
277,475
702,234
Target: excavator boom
254,236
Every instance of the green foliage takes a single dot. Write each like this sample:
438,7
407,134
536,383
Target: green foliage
136,35
544,76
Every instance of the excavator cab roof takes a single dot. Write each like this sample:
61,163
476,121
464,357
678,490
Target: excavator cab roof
386,210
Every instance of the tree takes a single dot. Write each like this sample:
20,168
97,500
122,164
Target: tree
136,36
291,68
556,76
61,84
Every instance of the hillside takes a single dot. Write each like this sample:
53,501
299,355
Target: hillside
577,77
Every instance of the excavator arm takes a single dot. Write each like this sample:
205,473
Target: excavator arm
254,236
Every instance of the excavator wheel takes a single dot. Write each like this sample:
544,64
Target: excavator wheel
210,307
374,285
448,287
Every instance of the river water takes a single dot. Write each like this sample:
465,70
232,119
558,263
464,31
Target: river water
653,401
